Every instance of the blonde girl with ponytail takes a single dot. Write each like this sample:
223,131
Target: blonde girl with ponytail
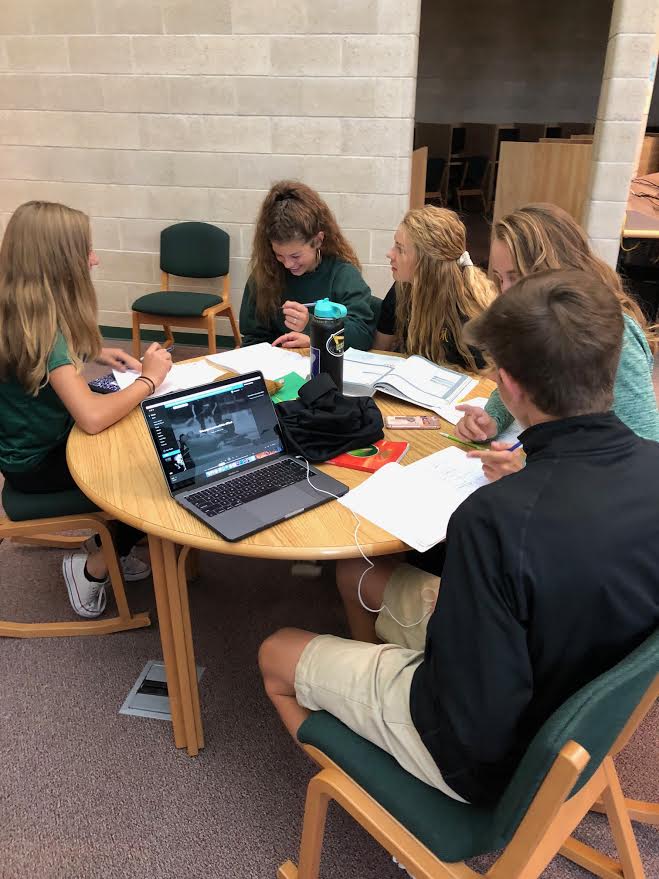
437,290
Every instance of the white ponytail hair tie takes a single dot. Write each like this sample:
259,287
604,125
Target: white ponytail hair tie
465,260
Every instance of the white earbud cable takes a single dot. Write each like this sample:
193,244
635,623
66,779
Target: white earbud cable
369,563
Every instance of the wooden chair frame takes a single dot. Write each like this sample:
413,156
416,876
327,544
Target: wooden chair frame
544,831
481,190
38,531
206,320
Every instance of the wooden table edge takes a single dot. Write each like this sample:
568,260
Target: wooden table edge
245,550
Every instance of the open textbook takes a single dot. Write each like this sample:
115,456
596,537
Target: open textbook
414,503
180,377
414,379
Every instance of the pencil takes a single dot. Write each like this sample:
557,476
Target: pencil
307,304
170,349
456,439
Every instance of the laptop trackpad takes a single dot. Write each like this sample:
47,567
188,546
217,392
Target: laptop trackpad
238,523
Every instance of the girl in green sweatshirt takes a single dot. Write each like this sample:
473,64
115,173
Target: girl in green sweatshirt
299,256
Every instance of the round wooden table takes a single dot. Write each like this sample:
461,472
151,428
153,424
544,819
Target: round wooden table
118,469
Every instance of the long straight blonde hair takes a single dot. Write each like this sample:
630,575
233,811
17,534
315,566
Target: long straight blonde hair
544,236
442,296
45,288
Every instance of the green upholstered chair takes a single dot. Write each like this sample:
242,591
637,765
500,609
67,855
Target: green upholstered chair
189,250
567,768
35,519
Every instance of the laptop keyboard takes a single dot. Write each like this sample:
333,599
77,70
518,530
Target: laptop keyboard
248,487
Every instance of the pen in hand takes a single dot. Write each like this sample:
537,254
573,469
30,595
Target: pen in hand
306,304
514,446
170,349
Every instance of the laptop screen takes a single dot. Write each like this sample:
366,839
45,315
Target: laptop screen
215,429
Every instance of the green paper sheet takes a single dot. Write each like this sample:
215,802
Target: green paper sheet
292,384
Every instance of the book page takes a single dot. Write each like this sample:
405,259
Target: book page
365,368
180,377
415,503
272,362
422,382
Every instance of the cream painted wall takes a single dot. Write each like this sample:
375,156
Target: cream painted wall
145,112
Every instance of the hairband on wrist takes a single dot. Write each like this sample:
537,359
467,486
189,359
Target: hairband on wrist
150,384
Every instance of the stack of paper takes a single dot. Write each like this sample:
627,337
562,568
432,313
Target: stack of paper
179,378
415,503
272,362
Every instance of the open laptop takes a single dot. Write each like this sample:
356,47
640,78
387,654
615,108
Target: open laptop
221,450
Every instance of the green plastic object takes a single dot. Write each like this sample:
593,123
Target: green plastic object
326,310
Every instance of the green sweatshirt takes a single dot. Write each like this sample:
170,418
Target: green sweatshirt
634,401
338,281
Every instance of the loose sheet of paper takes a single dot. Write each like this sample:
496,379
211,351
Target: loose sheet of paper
180,377
272,362
415,503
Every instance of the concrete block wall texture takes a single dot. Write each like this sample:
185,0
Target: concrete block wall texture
622,115
151,112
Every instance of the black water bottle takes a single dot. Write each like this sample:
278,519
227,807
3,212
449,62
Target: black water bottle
327,340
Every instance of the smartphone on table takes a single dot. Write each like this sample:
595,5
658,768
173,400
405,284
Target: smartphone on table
412,422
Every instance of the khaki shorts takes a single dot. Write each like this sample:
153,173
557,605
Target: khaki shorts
367,686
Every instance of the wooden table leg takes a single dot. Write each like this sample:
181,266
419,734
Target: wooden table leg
183,563
186,683
167,640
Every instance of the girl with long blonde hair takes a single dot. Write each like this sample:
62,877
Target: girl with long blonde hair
300,255
48,329
540,237
437,289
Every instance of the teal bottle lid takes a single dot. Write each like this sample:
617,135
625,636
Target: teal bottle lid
324,309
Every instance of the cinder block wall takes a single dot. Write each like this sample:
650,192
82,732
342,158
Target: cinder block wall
146,112
622,114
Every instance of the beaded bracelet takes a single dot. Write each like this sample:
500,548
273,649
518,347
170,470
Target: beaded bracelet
148,382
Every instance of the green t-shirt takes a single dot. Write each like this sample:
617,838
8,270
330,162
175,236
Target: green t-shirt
31,426
337,280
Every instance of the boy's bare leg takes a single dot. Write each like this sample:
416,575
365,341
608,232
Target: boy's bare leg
361,622
278,658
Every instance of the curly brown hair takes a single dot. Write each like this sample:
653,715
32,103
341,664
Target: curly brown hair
291,211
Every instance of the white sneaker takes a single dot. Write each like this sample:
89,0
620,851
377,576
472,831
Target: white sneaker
88,597
134,568
401,867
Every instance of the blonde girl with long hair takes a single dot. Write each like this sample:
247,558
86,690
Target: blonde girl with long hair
48,329
437,290
539,237
300,255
